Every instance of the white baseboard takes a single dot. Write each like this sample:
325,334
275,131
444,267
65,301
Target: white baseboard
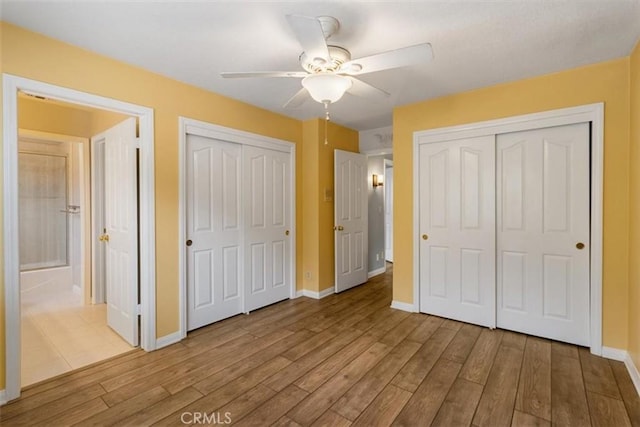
633,371
624,356
315,295
404,306
168,340
376,272
614,353
3,397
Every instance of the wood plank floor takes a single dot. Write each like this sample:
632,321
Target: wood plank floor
348,359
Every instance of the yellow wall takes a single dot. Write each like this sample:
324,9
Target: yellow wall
604,82
33,56
634,215
48,117
318,213
310,211
64,119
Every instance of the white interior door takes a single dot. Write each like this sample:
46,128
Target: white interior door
267,183
388,213
457,229
543,215
214,226
121,223
350,215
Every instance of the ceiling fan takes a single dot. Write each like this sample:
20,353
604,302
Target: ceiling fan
329,71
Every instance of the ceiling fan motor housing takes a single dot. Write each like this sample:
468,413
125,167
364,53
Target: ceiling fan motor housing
338,56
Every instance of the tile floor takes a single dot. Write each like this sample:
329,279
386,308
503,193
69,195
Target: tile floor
60,334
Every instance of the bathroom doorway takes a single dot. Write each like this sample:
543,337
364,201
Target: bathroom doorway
63,326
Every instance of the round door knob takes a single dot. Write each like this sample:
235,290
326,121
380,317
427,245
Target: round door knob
425,237
189,242
286,233
580,245
340,228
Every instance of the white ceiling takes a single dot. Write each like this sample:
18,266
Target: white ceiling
475,43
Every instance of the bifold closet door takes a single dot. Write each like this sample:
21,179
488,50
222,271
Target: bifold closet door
543,232
267,197
214,225
457,229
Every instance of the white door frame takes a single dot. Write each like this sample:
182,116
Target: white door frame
98,287
593,113
386,164
12,85
188,126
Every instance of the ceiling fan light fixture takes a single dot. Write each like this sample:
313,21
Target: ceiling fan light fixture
325,87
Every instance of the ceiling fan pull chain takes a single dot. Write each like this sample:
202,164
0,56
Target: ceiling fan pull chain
326,123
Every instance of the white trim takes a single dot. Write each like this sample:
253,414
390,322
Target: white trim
210,130
593,113
404,306
168,340
377,152
315,295
48,136
614,353
11,86
3,397
377,272
187,126
633,371
624,356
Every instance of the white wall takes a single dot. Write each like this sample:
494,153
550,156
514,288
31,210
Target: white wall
375,197
376,141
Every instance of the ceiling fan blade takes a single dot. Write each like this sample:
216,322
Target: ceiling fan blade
365,90
240,75
298,99
403,57
308,31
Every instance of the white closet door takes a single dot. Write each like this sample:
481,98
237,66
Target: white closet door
543,219
457,227
214,224
267,193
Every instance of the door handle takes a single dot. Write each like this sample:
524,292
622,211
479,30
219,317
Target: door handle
286,233
189,242
339,228
425,237
580,245
104,238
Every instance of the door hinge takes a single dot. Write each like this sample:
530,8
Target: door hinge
138,310
137,142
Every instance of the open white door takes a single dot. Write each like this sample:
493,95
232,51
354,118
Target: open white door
121,223
457,229
350,216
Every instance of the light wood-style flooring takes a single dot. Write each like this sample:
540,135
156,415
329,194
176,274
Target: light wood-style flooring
348,359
